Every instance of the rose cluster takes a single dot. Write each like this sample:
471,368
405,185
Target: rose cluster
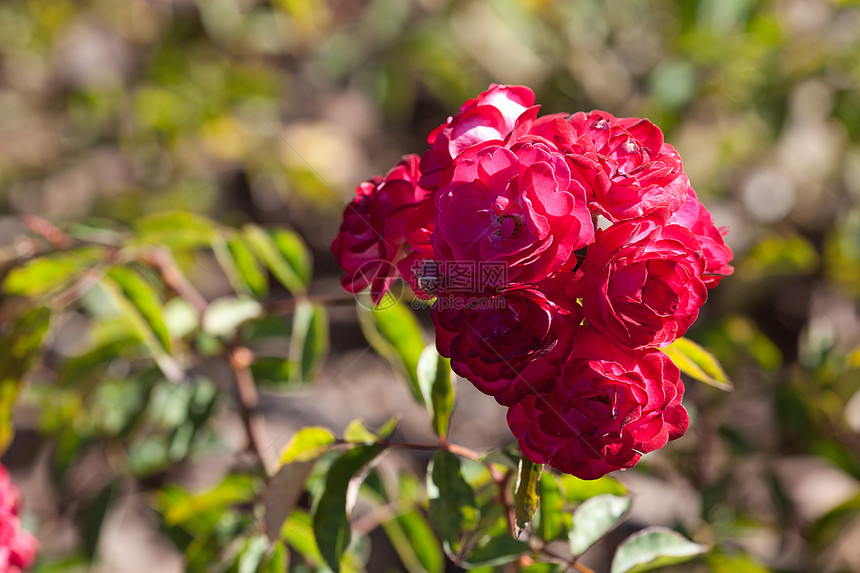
17,546
561,253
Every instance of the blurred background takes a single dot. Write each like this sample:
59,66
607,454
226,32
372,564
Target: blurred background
272,111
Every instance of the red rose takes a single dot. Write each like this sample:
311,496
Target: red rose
641,282
519,207
489,117
507,346
18,547
630,169
609,406
695,217
364,248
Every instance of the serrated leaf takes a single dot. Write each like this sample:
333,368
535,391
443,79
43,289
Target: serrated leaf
596,517
654,547
452,501
18,350
225,315
331,508
307,444
434,379
393,331
283,492
263,244
498,550
308,341
698,363
145,298
550,512
526,497
175,230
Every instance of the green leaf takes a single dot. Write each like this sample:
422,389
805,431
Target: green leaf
278,560
307,444
549,523
740,563
308,341
357,433
596,517
298,533
497,550
652,548
175,230
145,298
393,331
452,502
233,489
415,543
576,490
434,379
243,270
526,497
295,252
141,328
93,518
271,370
264,245
332,507
225,315
697,362
18,350
252,553
44,275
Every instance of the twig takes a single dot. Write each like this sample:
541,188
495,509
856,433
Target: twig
288,306
163,260
240,361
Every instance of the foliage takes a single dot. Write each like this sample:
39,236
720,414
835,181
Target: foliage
185,152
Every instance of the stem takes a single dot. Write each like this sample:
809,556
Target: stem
455,449
288,306
240,361
163,260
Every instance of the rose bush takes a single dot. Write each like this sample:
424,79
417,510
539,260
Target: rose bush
566,329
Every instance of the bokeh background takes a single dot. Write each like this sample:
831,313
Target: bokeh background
272,111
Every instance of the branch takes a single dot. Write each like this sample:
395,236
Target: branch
240,361
163,261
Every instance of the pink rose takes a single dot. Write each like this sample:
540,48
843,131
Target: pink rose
641,282
630,169
18,547
695,217
507,346
520,207
364,248
489,117
609,406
